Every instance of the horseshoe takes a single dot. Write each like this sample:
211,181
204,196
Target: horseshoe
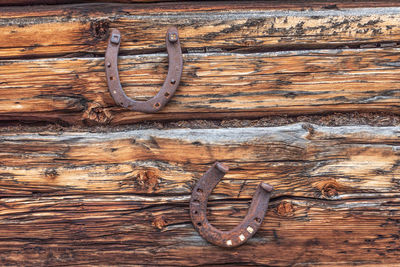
242,232
170,84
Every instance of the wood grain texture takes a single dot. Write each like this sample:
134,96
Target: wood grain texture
124,230
122,197
72,198
297,159
82,29
271,4
60,2
213,85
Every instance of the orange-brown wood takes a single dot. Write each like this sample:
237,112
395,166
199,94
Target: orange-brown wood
122,197
110,195
270,4
302,160
126,230
82,29
213,85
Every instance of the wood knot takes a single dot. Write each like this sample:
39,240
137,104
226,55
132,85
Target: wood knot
160,222
95,114
331,192
146,180
310,128
329,188
285,209
142,180
51,174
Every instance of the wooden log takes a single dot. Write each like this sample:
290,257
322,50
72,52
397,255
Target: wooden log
82,29
214,85
125,230
60,2
270,4
300,160
117,198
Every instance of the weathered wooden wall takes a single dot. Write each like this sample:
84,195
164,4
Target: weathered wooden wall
83,186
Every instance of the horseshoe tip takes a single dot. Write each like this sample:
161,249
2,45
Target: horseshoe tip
267,187
221,167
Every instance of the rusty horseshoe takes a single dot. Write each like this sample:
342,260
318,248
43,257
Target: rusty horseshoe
242,232
170,84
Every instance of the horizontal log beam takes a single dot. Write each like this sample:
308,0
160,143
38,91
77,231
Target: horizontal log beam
214,85
60,2
300,160
82,29
121,230
270,4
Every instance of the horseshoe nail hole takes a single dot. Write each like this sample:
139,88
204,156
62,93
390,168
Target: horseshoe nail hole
157,105
250,229
195,201
114,92
111,78
257,219
173,81
108,64
199,224
195,212
199,190
166,94
241,237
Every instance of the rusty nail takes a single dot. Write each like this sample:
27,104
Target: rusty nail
173,37
115,38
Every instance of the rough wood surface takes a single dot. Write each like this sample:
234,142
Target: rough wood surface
272,4
352,159
82,29
72,198
59,2
121,197
228,71
126,230
214,85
